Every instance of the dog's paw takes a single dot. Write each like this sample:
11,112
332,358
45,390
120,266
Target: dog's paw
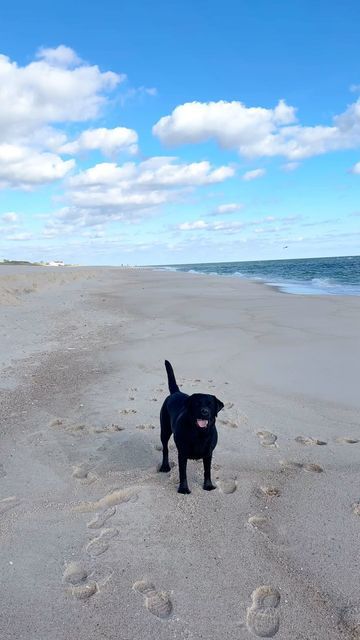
164,468
183,490
208,486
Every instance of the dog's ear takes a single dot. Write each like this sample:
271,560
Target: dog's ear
219,404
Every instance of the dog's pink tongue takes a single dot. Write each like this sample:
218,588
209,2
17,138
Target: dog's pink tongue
202,423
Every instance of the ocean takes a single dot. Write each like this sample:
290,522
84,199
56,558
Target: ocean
311,276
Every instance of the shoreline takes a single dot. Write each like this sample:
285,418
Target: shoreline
292,283
82,383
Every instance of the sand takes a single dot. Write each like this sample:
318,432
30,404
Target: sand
94,542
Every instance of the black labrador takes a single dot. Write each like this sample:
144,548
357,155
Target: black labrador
191,419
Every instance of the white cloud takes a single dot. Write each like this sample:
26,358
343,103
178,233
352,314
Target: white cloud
200,225
20,237
189,226
45,91
23,168
59,56
227,208
108,191
38,101
108,141
163,171
137,93
254,174
258,132
356,168
10,217
290,166
232,124
157,172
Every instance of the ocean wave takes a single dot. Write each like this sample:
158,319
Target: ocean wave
307,276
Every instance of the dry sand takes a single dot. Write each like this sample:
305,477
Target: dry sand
94,542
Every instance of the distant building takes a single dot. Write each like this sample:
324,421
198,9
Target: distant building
56,263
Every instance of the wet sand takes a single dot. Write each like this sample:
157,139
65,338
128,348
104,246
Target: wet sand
95,542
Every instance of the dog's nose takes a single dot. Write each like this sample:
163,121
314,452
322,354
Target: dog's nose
204,412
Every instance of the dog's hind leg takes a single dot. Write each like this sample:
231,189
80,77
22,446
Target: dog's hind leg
208,485
165,435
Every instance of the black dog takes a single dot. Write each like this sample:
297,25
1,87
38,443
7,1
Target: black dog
191,419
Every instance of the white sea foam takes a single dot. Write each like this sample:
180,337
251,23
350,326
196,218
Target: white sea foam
316,276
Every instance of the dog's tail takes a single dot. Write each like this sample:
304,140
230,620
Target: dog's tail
173,388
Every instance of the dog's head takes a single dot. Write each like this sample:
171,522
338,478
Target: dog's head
203,409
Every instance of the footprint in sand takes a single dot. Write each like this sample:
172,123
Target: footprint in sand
145,427
267,439
2,471
269,491
125,412
263,617
290,464
307,466
309,441
356,508
75,575
228,423
8,503
101,518
99,545
229,405
347,440
157,602
111,428
350,618
312,467
82,472
56,423
227,485
118,496
260,523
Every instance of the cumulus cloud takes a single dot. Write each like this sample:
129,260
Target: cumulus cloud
108,141
38,101
257,131
24,168
152,173
61,56
253,175
45,92
356,168
108,191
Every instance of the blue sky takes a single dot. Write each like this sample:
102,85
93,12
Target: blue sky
169,132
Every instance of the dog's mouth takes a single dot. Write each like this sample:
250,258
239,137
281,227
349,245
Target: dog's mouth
202,423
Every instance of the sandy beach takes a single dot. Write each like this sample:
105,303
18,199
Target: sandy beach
94,542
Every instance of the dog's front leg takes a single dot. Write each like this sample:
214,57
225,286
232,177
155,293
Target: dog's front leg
183,486
208,485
